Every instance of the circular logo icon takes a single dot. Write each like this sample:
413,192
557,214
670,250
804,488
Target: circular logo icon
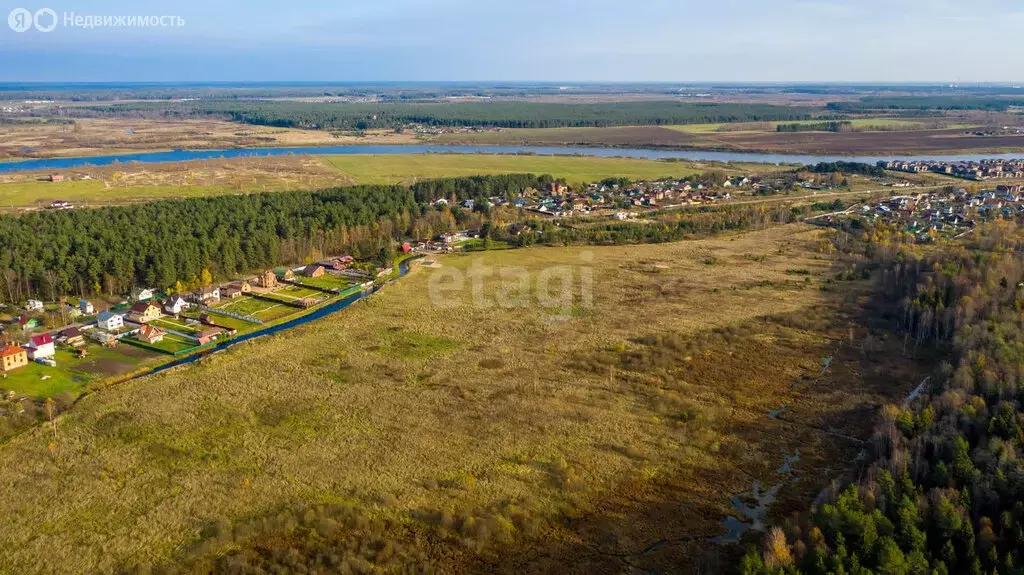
20,19
45,20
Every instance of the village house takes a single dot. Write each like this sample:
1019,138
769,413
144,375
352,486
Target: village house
205,295
285,274
230,292
71,336
337,263
40,346
207,335
150,334
109,321
267,279
175,304
86,307
33,305
12,357
144,312
313,271
25,322
142,294
105,338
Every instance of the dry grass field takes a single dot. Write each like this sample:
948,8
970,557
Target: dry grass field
566,437
912,140
96,137
136,182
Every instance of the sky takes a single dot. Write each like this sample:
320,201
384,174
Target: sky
521,40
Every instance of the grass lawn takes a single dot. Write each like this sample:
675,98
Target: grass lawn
73,374
298,292
327,281
36,380
232,323
175,324
170,343
245,305
394,169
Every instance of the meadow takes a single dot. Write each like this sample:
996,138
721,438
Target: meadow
130,183
368,169
475,429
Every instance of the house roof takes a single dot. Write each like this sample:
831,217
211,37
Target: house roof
71,332
40,340
311,268
10,350
150,331
142,306
207,290
104,316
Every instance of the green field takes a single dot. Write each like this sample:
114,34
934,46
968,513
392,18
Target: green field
367,169
72,374
170,343
232,323
298,292
175,324
326,281
259,309
85,191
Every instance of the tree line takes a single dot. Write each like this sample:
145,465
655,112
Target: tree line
362,116
944,492
835,126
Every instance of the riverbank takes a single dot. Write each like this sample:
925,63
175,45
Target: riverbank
601,152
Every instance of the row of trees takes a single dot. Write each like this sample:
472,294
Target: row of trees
945,493
837,126
507,114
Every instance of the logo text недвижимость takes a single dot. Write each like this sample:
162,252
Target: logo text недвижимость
47,20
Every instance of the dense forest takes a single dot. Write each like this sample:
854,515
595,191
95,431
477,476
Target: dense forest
505,114
859,168
944,492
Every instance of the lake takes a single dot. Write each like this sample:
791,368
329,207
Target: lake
653,154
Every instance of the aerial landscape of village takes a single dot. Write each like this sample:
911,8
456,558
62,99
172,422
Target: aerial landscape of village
452,287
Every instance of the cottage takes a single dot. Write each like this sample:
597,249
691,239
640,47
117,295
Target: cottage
150,334
144,312
242,286
86,307
284,274
206,295
313,271
106,338
406,248
109,321
174,305
25,322
71,336
12,357
207,335
34,305
267,279
40,346
142,294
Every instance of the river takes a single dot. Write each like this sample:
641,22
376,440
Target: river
645,153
